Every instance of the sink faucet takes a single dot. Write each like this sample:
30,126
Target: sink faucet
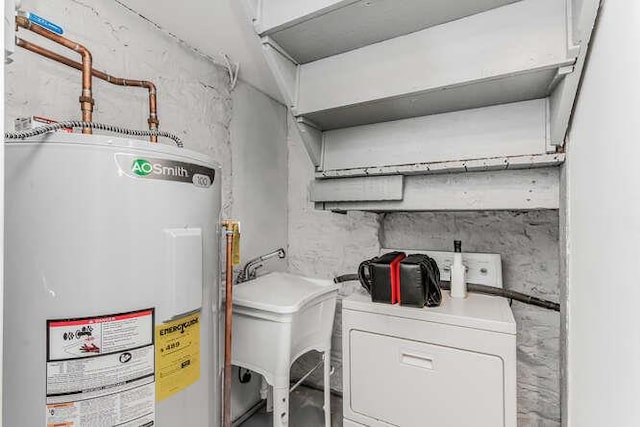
249,270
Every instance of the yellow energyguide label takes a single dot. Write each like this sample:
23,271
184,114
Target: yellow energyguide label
177,355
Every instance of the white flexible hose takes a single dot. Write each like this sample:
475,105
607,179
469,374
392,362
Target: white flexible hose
80,124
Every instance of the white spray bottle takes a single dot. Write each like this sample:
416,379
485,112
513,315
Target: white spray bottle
458,273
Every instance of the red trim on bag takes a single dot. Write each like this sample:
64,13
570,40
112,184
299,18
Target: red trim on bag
395,278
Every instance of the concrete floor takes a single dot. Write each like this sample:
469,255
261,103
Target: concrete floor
305,406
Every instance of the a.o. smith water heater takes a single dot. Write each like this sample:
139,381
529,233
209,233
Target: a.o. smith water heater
111,281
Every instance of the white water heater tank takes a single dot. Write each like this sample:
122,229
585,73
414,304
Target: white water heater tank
111,284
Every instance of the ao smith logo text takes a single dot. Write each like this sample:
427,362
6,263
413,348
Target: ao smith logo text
181,327
165,170
142,167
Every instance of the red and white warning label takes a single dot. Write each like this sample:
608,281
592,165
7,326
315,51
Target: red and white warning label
75,338
101,371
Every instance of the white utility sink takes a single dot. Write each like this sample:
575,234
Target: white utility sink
276,319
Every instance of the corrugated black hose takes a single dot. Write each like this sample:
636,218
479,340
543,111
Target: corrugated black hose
346,278
482,289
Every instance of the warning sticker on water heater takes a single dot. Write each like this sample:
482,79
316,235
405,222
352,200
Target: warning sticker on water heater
177,354
101,370
126,407
76,338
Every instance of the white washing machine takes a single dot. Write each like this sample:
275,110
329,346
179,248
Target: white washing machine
448,366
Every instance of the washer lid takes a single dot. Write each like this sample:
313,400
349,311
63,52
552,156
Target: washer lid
477,311
280,292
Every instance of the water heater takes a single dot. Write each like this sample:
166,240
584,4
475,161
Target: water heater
111,284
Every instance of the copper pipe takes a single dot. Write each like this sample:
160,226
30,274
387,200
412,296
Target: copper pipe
86,99
229,226
153,114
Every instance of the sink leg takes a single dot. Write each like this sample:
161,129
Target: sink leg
327,386
281,405
266,393
269,399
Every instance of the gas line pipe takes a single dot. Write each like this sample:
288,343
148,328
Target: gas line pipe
153,107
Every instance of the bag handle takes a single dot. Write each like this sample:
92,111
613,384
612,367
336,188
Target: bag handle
434,293
431,277
364,275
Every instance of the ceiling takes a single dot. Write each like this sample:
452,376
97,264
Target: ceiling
214,27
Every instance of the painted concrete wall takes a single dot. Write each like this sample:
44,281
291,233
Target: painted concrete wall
260,183
324,244
564,303
5,13
260,178
244,130
603,228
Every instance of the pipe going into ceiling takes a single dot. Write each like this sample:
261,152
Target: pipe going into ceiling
153,108
86,99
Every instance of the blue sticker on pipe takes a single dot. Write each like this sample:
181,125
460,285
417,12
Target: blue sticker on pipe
38,20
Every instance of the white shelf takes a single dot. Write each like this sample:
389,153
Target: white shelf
522,86
313,29
524,189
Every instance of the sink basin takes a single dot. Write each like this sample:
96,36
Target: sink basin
277,318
